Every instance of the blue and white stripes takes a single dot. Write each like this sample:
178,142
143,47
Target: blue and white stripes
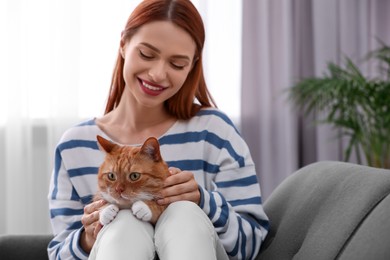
208,145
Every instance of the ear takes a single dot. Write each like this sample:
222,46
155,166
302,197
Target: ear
105,145
151,148
195,60
122,49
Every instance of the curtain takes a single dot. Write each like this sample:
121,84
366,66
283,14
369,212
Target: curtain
56,60
46,49
284,41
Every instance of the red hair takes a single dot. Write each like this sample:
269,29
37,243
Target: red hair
194,94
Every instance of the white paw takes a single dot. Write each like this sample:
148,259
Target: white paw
141,211
107,214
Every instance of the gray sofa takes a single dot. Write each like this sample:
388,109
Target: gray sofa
330,210
326,210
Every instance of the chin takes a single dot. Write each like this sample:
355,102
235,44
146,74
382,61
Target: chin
110,199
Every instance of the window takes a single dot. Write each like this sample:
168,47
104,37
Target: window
59,55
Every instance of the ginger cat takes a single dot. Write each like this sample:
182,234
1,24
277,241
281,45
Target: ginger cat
131,178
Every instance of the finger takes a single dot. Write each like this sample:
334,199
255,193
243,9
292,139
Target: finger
91,212
178,178
192,196
174,170
88,219
97,229
184,191
94,206
177,189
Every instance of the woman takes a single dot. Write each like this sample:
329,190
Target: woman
158,89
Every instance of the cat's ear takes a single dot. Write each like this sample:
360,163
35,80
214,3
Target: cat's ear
151,148
104,144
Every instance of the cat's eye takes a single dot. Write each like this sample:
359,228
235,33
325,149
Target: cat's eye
111,176
134,176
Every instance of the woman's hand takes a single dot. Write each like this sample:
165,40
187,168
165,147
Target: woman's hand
92,226
181,185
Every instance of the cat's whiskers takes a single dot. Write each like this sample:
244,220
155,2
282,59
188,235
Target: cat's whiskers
145,196
107,197
129,198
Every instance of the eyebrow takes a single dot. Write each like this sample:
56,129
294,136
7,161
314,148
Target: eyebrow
158,51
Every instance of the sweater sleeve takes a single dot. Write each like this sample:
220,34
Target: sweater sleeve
66,210
240,231
233,201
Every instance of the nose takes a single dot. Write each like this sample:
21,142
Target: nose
158,72
119,188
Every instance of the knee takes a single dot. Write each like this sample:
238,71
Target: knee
126,224
185,216
185,210
184,207
125,235
123,216
181,226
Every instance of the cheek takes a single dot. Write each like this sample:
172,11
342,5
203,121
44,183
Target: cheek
178,78
128,71
132,66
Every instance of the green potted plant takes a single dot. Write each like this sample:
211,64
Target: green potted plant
357,105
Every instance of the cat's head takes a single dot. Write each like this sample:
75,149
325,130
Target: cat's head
131,173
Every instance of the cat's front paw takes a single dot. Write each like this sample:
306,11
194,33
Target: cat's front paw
141,211
108,214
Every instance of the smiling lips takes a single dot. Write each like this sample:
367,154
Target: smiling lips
151,89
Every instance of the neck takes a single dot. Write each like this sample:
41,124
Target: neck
130,123
137,117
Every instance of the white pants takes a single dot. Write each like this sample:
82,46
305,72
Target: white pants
183,231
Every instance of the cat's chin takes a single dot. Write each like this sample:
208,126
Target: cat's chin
124,206
122,201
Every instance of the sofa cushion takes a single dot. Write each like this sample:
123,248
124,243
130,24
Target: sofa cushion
328,210
371,239
21,247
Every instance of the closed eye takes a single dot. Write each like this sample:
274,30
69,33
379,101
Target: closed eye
145,55
149,56
177,66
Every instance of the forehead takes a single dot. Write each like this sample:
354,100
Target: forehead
165,36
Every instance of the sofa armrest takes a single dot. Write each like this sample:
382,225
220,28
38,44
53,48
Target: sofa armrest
330,210
17,247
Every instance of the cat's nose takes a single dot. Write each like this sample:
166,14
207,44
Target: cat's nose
119,189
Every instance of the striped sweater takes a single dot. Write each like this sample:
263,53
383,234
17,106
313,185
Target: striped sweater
208,145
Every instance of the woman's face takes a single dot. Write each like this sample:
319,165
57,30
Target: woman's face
158,59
